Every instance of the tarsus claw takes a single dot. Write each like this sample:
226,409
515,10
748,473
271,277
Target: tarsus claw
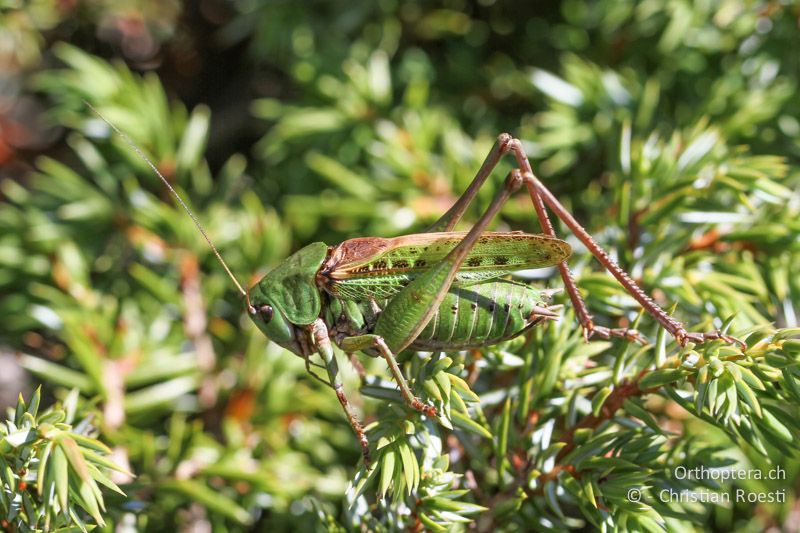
699,338
629,334
424,408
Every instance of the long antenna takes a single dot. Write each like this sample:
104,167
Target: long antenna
139,152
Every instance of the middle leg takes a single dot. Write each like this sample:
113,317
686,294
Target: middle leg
363,342
409,311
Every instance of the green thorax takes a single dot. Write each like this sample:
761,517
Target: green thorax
291,286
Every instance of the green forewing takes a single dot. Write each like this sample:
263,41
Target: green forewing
378,268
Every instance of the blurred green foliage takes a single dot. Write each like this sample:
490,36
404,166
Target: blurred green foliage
51,469
670,128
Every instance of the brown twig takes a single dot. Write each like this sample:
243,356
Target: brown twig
612,404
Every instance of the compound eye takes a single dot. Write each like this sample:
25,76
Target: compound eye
265,312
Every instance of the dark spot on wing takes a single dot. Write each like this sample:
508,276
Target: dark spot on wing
400,263
474,261
501,260
420,263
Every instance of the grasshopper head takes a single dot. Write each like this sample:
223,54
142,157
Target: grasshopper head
269,318
288,296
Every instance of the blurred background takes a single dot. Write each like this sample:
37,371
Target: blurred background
668,127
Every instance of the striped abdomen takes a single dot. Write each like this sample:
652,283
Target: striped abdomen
481,315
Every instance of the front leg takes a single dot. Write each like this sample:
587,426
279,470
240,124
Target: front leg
322,341
363,342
